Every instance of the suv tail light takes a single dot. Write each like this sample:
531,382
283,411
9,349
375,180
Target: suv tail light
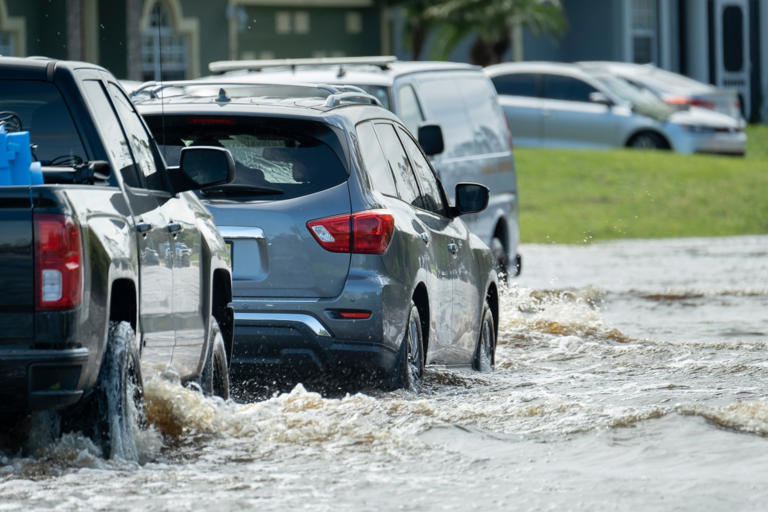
366,232
58,256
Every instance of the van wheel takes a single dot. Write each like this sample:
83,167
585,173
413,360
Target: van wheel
118,400
500,256
648,140
411,360
485,351
215,377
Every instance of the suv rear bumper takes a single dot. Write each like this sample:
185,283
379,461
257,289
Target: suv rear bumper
41,379
298,345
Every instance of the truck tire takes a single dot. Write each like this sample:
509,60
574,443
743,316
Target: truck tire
215,377
118,400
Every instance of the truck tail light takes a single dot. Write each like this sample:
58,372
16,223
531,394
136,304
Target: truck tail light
58,262
367,232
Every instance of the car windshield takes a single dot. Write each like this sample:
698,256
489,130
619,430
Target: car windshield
274,158
643,101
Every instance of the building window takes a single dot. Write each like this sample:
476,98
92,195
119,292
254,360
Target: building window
354,22
6,44
164,52
644,30
283,22
301,22
287,22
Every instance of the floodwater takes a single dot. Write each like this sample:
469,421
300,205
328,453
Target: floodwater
630,376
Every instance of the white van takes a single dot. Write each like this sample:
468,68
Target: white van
453,110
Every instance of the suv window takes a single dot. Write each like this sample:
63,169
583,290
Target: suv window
274,158
431,197
376,165
516,84
38,107
559,87
409,109
407,188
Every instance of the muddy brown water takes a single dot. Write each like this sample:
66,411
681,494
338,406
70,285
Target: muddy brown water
630,375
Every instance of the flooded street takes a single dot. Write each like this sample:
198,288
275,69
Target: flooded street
630,376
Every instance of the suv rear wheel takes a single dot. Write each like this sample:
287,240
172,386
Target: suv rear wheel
411,366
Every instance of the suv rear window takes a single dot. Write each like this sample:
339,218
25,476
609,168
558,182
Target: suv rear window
37,107
274,158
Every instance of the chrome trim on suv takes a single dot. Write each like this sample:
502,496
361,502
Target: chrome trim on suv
241,232
311,322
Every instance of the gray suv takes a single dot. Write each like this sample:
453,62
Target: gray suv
348,259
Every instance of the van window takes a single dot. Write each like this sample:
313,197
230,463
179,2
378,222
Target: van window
409,110
516,84
443,104
559,87
376,165
407,188
487,120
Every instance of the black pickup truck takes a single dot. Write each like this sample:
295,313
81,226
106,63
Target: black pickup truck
111,268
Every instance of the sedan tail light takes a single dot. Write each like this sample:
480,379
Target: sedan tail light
58,257
366,232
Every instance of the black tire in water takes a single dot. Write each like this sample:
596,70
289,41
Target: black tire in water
411,359
500,255
485,352
115,412
215,377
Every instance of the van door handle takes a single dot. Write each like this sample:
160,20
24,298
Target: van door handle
424,238
143,227
174,227
453,248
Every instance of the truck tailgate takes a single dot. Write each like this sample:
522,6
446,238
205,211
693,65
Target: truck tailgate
16,266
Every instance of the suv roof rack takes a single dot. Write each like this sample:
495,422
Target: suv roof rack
222,66
336,93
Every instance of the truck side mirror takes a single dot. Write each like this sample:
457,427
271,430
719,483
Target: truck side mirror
431,139
470,198
203,166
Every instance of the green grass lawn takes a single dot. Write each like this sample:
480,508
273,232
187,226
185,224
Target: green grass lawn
580,196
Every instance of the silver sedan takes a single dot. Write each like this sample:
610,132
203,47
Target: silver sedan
564,105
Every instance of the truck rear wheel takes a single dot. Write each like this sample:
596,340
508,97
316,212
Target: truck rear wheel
118,400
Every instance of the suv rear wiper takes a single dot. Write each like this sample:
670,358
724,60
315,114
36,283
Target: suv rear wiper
241,190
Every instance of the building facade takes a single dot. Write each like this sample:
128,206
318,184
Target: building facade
176,39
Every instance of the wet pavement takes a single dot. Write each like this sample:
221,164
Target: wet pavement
630,376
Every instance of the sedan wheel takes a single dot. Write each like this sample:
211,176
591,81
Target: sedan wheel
647,140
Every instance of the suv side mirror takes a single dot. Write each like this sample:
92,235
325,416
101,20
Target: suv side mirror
470,198
602,99
202,166
431,139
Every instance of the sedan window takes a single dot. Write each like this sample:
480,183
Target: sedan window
559,87
516,84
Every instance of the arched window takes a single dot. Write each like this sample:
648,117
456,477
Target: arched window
164,51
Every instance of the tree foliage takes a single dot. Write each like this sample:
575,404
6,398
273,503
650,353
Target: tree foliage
491,21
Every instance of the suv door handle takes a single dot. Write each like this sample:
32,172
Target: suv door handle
174,227
424,238
143,227
453,248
